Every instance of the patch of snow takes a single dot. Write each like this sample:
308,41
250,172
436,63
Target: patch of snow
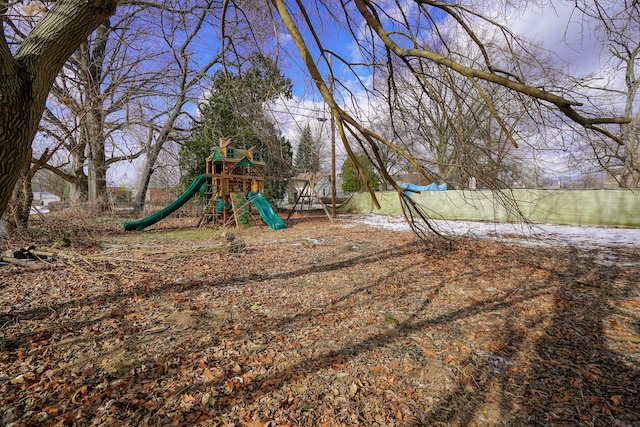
38,210
518,233
312,240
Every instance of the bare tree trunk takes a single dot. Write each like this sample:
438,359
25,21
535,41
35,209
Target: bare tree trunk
79,192
631,171
92,58
97,179
21,199
152,152
20,207
141,194
185,81
18,126
28,75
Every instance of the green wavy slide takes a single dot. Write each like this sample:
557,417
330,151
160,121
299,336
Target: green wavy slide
167,210
266,211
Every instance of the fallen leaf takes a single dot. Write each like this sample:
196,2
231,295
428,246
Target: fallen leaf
616,399
353,389
151,404
494,347
211,374
564,398
270,382
79,394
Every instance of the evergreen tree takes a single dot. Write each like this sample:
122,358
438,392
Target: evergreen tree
235,110
351,179
308,156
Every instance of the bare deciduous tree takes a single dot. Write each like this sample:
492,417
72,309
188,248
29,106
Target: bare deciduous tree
29,65
616,26
95,102
182,34
122,93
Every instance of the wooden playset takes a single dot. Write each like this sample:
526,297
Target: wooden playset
233,184
231,174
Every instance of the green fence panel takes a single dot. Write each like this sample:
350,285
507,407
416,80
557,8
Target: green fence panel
619,208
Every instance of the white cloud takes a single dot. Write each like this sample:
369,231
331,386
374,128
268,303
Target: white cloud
562,29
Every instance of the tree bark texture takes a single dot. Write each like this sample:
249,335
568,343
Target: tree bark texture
26,78
22,198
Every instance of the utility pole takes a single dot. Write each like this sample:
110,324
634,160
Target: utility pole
333,147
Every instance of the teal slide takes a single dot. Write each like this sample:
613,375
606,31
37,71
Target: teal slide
266,211
169,209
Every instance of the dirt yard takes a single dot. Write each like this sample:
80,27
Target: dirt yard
319,324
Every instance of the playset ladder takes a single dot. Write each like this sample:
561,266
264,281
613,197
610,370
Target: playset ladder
209,213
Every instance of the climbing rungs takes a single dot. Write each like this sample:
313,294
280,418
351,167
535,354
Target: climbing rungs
240,210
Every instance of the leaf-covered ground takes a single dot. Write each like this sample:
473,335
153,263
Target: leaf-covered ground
318,324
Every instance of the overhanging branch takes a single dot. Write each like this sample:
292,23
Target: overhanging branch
564,105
